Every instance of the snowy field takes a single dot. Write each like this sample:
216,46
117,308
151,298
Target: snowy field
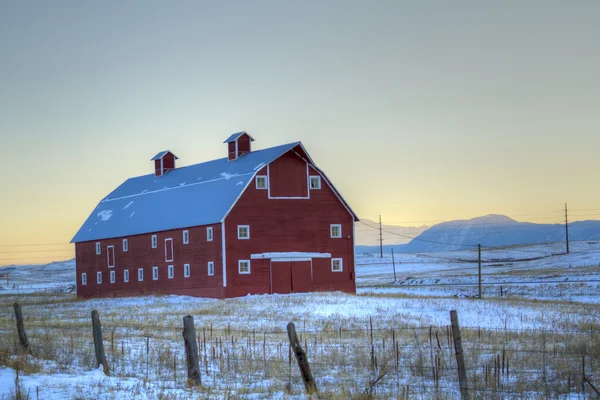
547,318
541,272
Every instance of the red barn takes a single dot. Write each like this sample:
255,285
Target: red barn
265,221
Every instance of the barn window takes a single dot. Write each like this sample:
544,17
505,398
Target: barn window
243,231
244,266
98,277
154,273
140,274
211,268
112,276
110,256
154,242
84,278
336,265
125,245
315,182
209,234
171,272
186,270
98,248
186,237
335,230
126,275
261,182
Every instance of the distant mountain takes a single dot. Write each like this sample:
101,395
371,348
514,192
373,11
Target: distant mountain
367,233
491,231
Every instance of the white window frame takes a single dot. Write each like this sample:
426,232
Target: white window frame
331,227
186,237
108,256
211,268
186,270
98,248
154,241
99,277
83,279
125,275
247,231
240,262
209,234
317,179
264,177
112,276
171,271
172,255
333,260
140,274
154,273
125,245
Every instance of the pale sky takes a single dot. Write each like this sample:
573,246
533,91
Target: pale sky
419,111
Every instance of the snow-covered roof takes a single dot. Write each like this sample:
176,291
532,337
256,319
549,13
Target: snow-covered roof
162,154
195,195
236,136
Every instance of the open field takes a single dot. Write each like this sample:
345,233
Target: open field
530,343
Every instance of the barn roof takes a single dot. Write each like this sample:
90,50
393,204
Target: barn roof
236,136
195,195
162,154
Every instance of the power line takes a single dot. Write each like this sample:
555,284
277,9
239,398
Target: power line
419,239
39,244
36,251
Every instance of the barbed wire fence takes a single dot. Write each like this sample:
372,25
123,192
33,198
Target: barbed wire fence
400,361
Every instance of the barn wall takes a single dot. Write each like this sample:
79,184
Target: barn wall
231,150
168,162
243,145
157,170
287,176
284,225
141,255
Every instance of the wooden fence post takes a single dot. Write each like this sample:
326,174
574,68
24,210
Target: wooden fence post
460,359
98,344
302,359
21,329
191,350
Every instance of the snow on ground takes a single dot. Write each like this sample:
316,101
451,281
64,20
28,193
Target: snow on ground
427,287
54,277
82,384
543,272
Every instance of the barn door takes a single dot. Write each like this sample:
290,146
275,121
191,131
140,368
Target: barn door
169,250
290,277
301,276
110,255
281,277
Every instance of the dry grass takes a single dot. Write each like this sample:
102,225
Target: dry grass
348,359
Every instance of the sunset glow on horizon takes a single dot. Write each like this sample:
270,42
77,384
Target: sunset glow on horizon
418,113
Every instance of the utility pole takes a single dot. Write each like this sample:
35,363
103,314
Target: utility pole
394,264
567,228
479,262
380,239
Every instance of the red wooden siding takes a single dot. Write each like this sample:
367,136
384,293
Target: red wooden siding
287,177
157,170
168,162
243,144
231,151
285,225
197,253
